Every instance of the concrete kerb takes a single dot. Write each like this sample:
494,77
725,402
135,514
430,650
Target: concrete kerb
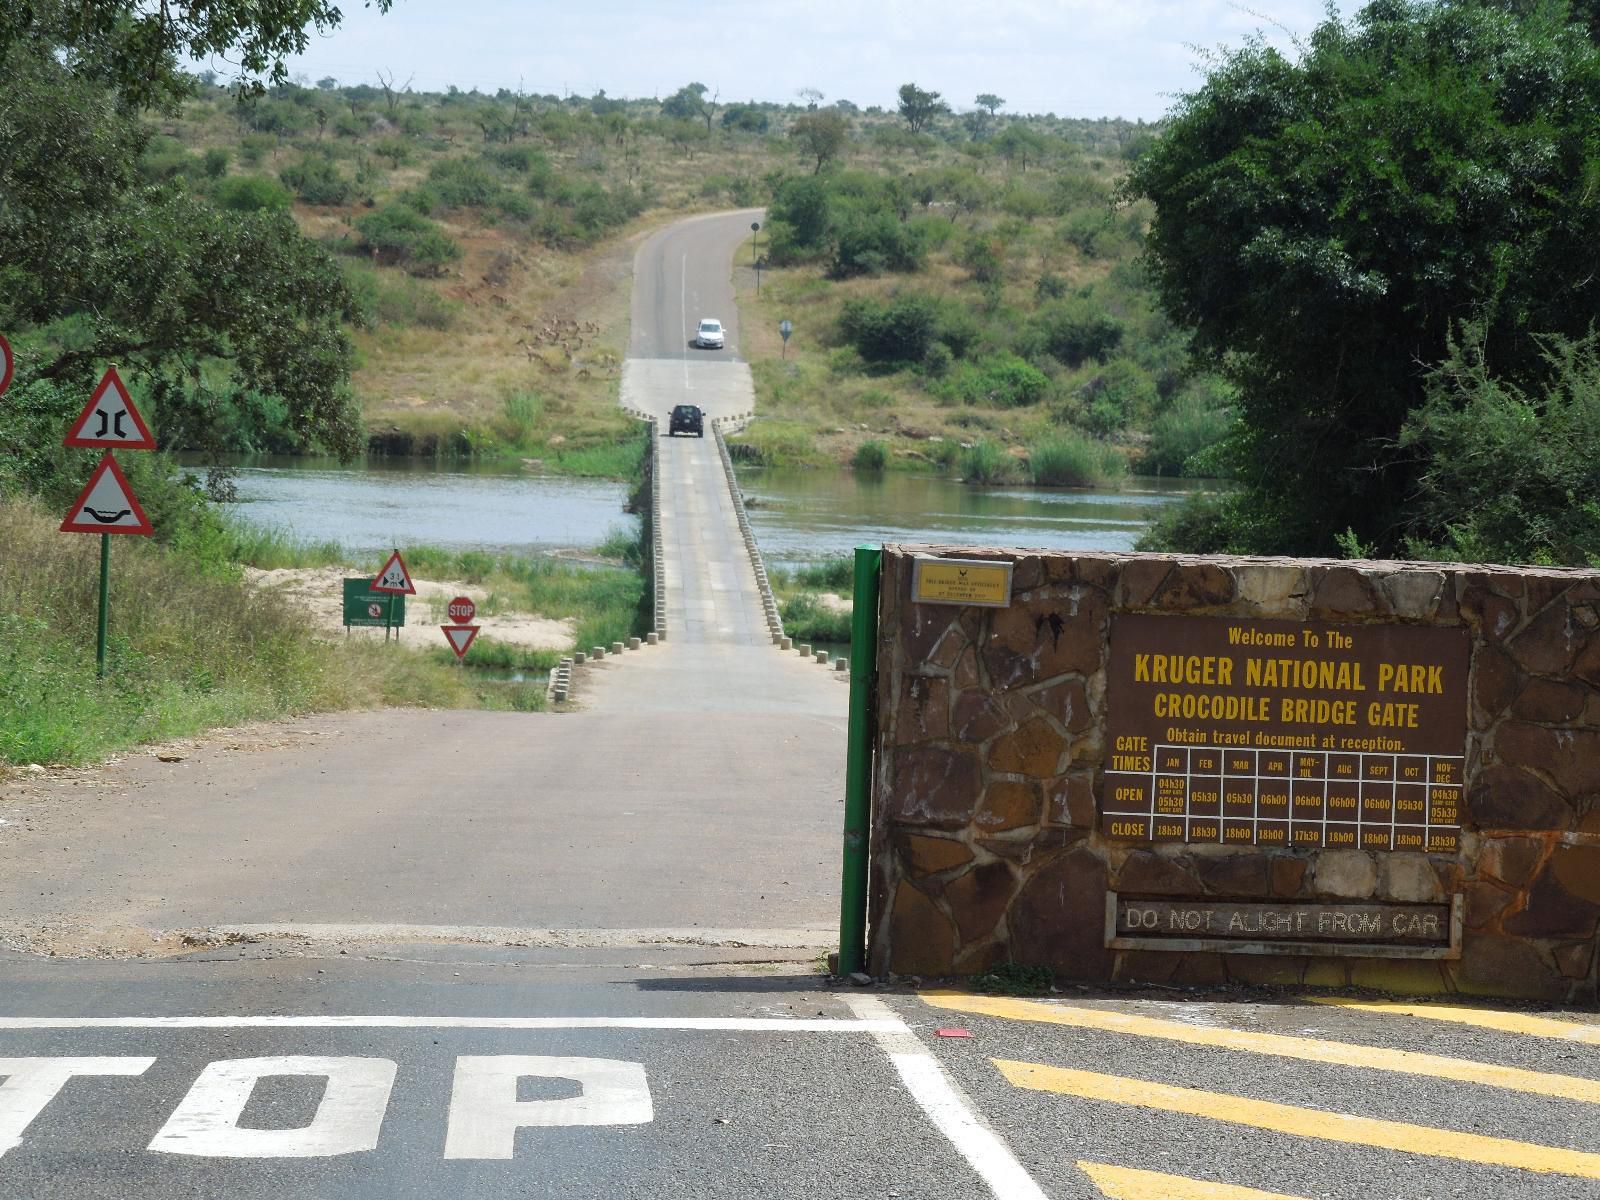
769,602
658,632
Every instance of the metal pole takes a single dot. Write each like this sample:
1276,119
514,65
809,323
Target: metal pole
105,605
858,761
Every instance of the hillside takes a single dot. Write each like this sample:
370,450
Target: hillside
489,238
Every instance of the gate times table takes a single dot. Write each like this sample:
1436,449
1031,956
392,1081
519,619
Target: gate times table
1301,798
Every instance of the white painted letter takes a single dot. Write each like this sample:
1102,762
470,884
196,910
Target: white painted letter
485,1113
31,1083
206,1121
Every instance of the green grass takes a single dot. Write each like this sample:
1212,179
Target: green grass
986,462
807,619
271,547
189,650
871,455
1068,459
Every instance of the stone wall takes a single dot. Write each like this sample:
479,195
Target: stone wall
990,752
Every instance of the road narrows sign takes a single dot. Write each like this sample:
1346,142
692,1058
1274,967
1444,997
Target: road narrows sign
394,578
110,419
462,610
107,504
7,362
460,637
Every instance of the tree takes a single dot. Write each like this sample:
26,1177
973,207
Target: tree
822,135
135,47
689,103
812,96
989,101
1324,227
327,83
918,107
169,286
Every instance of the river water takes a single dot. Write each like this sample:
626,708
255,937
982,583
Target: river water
798,516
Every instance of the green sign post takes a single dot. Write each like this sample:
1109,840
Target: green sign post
365,607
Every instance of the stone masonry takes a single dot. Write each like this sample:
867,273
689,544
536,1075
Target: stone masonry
990,748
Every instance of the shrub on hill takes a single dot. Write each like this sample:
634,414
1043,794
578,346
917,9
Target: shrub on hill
250,193
316,180
398,234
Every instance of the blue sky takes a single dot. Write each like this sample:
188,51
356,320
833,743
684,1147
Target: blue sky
1081,58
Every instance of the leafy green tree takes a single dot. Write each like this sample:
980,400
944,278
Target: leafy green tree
990,103
1324,225
135,47
155,279
822,136
689,103
1512,475
919,107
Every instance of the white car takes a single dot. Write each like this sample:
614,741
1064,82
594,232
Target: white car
709,335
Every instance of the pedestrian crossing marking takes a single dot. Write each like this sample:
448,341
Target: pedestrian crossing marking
1376,1058
1526,1024
1303,1122
1124,1183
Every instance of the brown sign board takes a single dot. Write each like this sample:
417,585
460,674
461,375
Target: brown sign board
1304,735
1379,930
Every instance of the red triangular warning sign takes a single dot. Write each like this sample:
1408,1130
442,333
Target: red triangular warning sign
460,637
107,504
110,419
394,577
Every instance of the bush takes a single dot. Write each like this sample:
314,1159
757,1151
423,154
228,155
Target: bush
987,462
401,235
1116,395
1000,381
1197,420
1068,460
463,183
215,162
251,193
871,456
808,619
1077,331
316,180
898,332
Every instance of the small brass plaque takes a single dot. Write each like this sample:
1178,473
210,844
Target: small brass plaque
963,581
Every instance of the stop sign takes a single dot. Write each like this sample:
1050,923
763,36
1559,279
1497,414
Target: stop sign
462,610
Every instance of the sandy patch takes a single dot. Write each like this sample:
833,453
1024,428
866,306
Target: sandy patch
320,592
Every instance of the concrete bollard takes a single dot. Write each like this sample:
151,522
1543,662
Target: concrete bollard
822,657
616,647
805,649
777,637
786,644
841,664
579,658
650,639
634,643
597,652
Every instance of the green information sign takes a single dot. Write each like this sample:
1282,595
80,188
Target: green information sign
363,606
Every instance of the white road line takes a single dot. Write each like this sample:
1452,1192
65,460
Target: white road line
691,1024
683,306
947,1106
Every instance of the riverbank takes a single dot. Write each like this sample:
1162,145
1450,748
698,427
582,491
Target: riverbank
242,624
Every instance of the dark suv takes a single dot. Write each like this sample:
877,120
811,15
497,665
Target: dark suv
686,418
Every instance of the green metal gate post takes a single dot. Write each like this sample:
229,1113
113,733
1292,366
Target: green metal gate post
858,761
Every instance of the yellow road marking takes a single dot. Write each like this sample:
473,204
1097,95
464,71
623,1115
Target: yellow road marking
1486,1018
1375,1058
1123,1183
1304,1122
